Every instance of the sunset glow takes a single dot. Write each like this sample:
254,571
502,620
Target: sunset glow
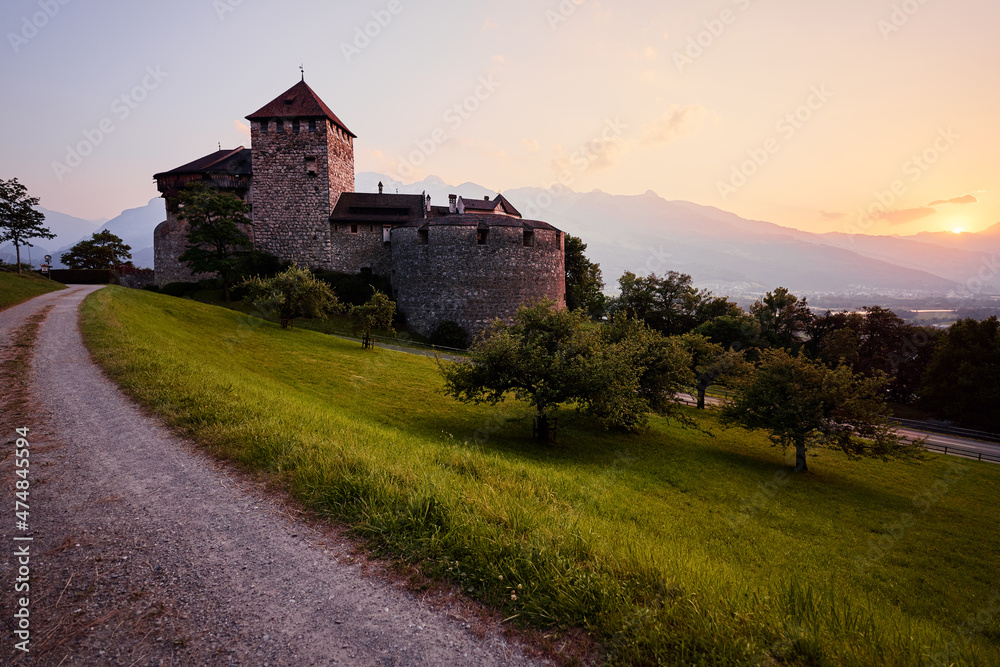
850,118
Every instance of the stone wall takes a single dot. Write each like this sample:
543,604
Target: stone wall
169,241
453,277
358,246
297,179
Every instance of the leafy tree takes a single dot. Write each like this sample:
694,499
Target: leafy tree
737,332
633,371
669,304
617,372
783,318
19,221
873,341
711,363
962,381
584,282
215,236
103,250
293,293
377,313
804,403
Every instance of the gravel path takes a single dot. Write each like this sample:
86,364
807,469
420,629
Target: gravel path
146,552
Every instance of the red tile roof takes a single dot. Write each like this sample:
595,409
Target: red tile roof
299,101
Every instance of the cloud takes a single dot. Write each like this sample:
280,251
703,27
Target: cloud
490,24
964,199
650,53
831,216
906,215
242,127
676,122
499,59
531,145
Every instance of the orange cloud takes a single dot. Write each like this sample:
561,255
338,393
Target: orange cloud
906,215
965,199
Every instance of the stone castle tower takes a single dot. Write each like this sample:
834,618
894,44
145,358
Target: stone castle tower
469,262
303,160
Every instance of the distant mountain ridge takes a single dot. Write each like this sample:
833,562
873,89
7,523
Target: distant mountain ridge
733,255
647,233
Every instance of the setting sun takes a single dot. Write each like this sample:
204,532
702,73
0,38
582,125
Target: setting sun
958,230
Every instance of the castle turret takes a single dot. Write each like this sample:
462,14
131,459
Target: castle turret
303,160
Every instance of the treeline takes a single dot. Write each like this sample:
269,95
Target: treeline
953,374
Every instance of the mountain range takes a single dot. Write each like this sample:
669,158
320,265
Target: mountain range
649,234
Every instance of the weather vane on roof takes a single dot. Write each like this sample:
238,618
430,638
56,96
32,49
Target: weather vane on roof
302,69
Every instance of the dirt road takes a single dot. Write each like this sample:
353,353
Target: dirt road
146,552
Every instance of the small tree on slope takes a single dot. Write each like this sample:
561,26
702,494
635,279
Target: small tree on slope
806,404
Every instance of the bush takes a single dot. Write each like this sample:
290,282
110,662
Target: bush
450,334
355,289
152,288
180,289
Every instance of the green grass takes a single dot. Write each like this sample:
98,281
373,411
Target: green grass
15,289
673,546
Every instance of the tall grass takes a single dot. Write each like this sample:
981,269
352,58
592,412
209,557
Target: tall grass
674,546
15,289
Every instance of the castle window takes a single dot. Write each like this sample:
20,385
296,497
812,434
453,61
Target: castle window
529,239
263,126
281,125
311,165
422,237
354,229
312,124
481,236
295,126
386,229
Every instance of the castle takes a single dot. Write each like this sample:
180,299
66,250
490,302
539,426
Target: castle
469,262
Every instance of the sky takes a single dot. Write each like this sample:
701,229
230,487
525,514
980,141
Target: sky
857,116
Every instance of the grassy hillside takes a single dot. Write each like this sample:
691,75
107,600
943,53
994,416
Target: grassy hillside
673,546
15,289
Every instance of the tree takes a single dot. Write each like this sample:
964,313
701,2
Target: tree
376,313
617,372
739,332
634,371
783,318
293,293
669,304
103,250
215,236
962,381
19,221
584,282
711,363
805,404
